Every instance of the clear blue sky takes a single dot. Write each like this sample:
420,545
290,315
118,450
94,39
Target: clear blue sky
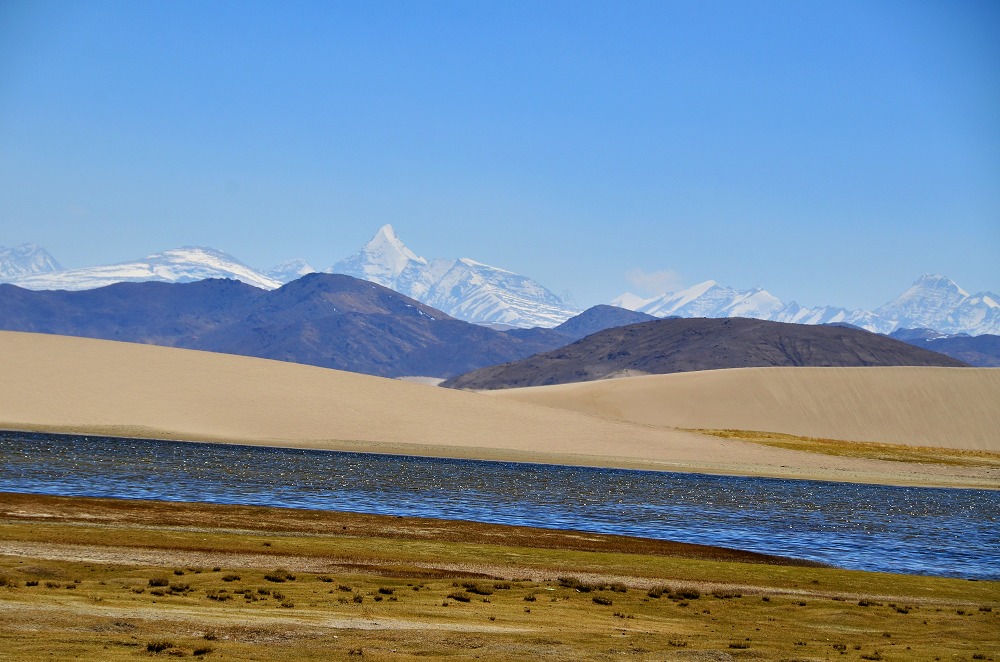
831,152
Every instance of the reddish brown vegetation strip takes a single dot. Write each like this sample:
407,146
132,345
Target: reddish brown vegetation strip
252,518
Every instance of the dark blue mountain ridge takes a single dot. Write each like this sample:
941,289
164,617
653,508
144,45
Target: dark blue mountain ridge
327,320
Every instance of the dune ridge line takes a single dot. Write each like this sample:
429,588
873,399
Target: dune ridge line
78,385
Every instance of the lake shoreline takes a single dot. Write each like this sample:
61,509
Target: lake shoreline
80,385
115,579
853,525
871,472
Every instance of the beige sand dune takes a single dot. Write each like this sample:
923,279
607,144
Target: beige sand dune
63,384
939,407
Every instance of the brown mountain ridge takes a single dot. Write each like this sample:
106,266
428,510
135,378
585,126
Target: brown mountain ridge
684,345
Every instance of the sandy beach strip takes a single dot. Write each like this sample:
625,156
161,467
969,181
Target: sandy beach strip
78,385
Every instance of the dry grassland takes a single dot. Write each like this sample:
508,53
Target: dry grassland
864,450
126,580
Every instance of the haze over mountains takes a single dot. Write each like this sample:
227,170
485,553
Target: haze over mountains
475,292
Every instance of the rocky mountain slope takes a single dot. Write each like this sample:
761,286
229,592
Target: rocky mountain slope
597,319
683,345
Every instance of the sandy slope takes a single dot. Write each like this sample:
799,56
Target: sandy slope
57,383
941,407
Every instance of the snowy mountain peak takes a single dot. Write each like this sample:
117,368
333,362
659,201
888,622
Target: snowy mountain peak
936,282
937,302
930,295
25,260
480,265
176,265
386,243
385,260
933,301
387,233
630,301
291,270
463,288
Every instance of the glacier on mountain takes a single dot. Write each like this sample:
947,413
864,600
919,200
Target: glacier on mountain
463,288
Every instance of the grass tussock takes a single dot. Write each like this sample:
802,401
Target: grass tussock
279,576
677,594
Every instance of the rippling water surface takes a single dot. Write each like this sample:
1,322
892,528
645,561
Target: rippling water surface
895,529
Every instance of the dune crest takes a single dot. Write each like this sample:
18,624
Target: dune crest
921,406
80,385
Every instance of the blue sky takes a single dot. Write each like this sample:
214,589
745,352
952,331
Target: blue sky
831,152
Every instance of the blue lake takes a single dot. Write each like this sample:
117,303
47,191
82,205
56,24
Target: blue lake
944,532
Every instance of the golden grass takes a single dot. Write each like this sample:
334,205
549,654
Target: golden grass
862,449
78,578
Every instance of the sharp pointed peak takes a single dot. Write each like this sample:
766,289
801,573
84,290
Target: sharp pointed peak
387,231
937,280
387,235
932,278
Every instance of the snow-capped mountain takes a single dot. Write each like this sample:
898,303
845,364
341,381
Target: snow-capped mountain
25,260
938,303
709,299
463,288
481,293
291,270
178,265
932,302
387,261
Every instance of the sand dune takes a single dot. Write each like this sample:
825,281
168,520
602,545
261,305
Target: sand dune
58,383
920,406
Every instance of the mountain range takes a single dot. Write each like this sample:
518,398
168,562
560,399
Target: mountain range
338,321
685,345
463,288
37,271
933,301
25,260
327,320
475,292
981,351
